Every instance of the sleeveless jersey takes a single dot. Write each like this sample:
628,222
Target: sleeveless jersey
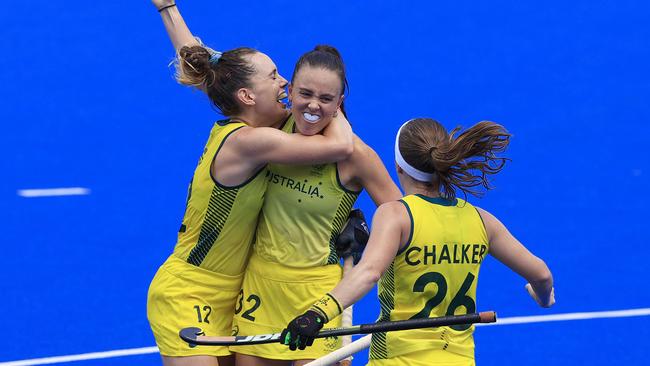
219,221
304,210
434,274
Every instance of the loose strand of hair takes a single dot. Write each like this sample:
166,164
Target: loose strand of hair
466,161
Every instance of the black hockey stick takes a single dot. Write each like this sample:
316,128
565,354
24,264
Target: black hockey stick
195,336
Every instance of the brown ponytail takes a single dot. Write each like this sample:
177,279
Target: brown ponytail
219,79
464,161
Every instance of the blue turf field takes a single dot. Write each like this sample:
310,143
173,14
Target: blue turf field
88,101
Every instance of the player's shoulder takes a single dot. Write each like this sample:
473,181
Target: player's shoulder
248,132
392,208
360,146
485,215
392,215
362,153
249,140
492,224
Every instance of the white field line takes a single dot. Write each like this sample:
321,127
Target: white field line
83,356
570,316
53,192
364,342
500,321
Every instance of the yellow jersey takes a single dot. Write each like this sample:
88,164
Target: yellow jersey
219,222
434,274
304,211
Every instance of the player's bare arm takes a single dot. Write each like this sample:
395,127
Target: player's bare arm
391,227
178,31
509,251
269,145
370,173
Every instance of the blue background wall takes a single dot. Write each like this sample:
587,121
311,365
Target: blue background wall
88,100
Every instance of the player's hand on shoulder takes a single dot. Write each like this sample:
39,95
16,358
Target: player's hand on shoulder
353,238
545,304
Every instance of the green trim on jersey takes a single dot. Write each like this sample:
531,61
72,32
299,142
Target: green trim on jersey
224,122
304,210
221,203
378,345
410,239
214,179
339,220
439,200
338,179
481,217
219,221
435,275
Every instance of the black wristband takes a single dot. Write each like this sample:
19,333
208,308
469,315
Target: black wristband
165,7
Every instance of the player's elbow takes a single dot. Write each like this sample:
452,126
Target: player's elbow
373,274
541,274
344,150
373,277
368,274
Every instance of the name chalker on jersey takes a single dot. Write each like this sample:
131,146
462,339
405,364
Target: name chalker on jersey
432,254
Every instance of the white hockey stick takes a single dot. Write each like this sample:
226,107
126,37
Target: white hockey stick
343,353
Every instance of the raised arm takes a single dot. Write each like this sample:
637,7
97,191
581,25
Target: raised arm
177,30
509,251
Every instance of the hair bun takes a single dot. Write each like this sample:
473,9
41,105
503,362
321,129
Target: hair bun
329,49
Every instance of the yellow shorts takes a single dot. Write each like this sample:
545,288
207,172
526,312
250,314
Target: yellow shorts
273,295
436,357
183,295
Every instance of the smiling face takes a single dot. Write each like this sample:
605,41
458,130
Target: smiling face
268,89
315,95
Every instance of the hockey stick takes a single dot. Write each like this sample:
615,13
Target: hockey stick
195,336
343,353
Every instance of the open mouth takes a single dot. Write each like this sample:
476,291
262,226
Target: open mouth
282,99
311,118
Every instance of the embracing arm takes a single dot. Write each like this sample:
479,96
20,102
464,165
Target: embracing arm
509,251
177,30
270,145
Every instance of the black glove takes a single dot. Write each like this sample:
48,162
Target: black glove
354,236
301,331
